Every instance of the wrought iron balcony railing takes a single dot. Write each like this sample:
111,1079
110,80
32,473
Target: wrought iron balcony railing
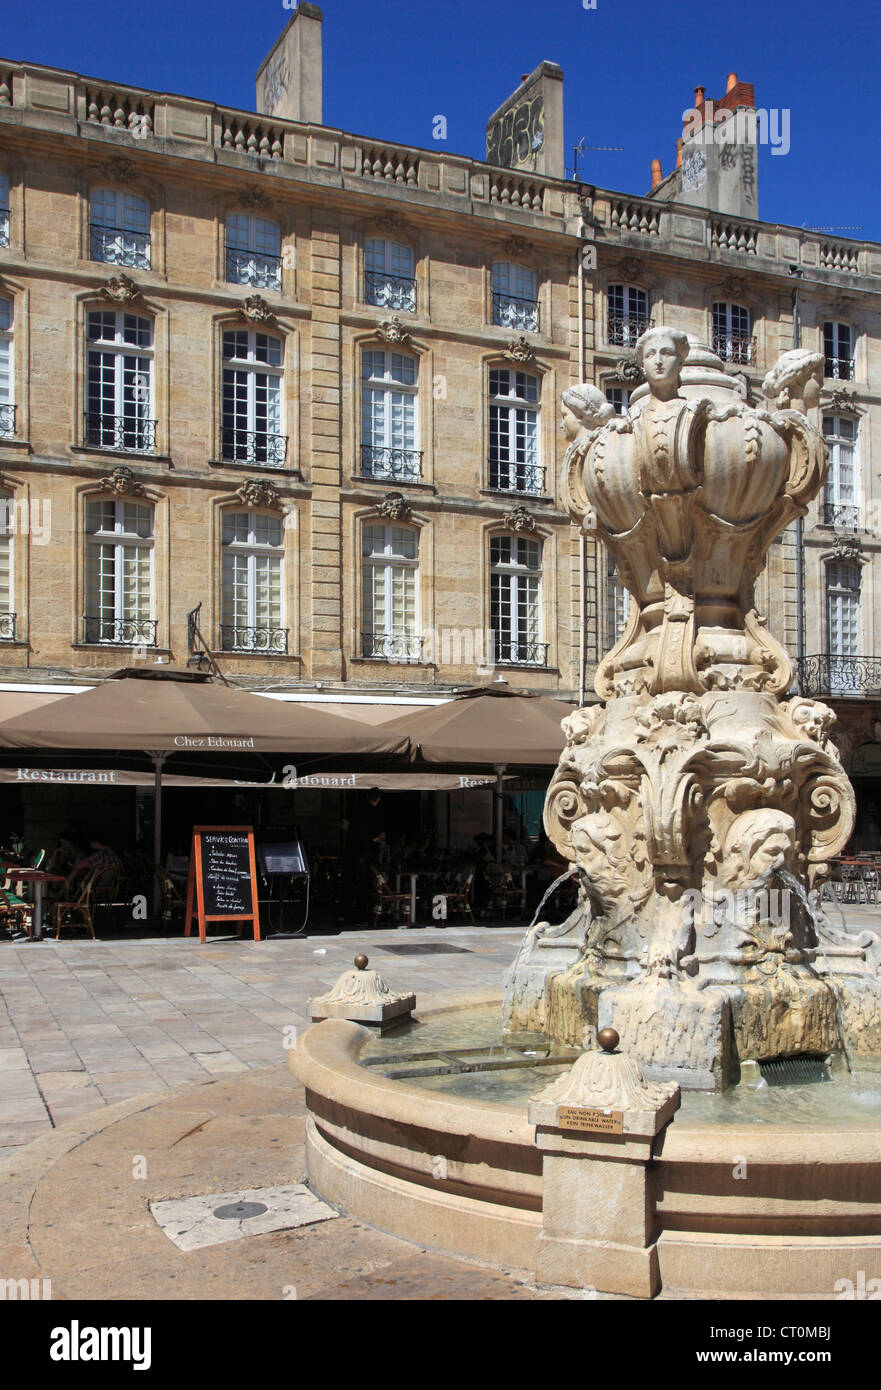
126,433
258,268
398,465
845,515
253,639
390,291
118,246
517,477
119,632
735,347
392,646
7,627
4,226
840,675
515,311
839,369
506,652
253,446
7,421
623,332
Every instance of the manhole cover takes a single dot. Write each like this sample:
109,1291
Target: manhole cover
240,1211
436,948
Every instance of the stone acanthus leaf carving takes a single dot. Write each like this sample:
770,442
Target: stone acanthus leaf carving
520,350
119,171
516,247
255,492
629,371
844,401
122,482
519,519
393,331
256,310
847,548
121,289
608,1081
358,987
254,197
394,507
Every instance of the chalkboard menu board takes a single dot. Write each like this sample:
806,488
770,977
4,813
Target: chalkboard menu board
223,877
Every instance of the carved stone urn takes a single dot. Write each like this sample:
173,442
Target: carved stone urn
701,805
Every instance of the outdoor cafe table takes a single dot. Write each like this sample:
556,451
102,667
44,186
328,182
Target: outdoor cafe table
37,877
411,915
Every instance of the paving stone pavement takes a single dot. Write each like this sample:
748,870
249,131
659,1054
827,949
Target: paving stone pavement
86,1024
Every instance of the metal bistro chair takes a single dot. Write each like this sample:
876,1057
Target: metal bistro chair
67,908
385,898
15,912
459,899
172,899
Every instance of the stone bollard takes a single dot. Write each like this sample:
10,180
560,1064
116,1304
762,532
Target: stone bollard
596,1128
362,996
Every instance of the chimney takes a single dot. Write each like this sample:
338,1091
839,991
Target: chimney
732,81
679,144
289,78
699,97
657,176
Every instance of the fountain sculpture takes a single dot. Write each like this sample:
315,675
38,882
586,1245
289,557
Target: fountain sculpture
701,805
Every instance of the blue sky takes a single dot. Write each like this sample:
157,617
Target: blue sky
390,66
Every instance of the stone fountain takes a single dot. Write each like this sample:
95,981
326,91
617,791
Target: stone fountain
699,808
701,805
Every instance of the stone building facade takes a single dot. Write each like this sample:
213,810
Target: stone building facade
291,396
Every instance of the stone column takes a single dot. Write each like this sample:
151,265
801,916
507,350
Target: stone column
596,1127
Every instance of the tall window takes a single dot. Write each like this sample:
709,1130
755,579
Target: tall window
252,376
388,417
389,275
119,230
515,601
515,296
119,412
513,432
732,340
628,314
119,574
843,624
253,251
617,603
4,209
7,409
389,565
619,397
7,531
838,350
251,621
841,496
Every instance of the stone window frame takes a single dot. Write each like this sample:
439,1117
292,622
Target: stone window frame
529,258
848,319
96,177
548,595
236,201
17,231
92,301
654,302
352,574
230,501
405,235
19,295
17,492
548,440
721,294
277,326
351,440
99,490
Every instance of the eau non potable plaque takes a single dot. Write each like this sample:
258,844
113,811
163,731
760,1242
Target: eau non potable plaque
597,1121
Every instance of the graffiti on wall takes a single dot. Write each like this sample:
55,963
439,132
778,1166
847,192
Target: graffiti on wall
515,138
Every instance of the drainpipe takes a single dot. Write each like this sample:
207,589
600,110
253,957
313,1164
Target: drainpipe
158,762
582,547
498,801
799,537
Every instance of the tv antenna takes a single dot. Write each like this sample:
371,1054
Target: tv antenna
579,151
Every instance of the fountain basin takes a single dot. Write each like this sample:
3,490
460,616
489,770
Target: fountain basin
740,1209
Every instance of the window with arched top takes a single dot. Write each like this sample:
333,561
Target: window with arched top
515,296
389,576
732,333
119,228
514,403
119,382
119,573
628,315
389,274
253,251
252,398
4,208
838,349
252,608
515,601
7,398
389,392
